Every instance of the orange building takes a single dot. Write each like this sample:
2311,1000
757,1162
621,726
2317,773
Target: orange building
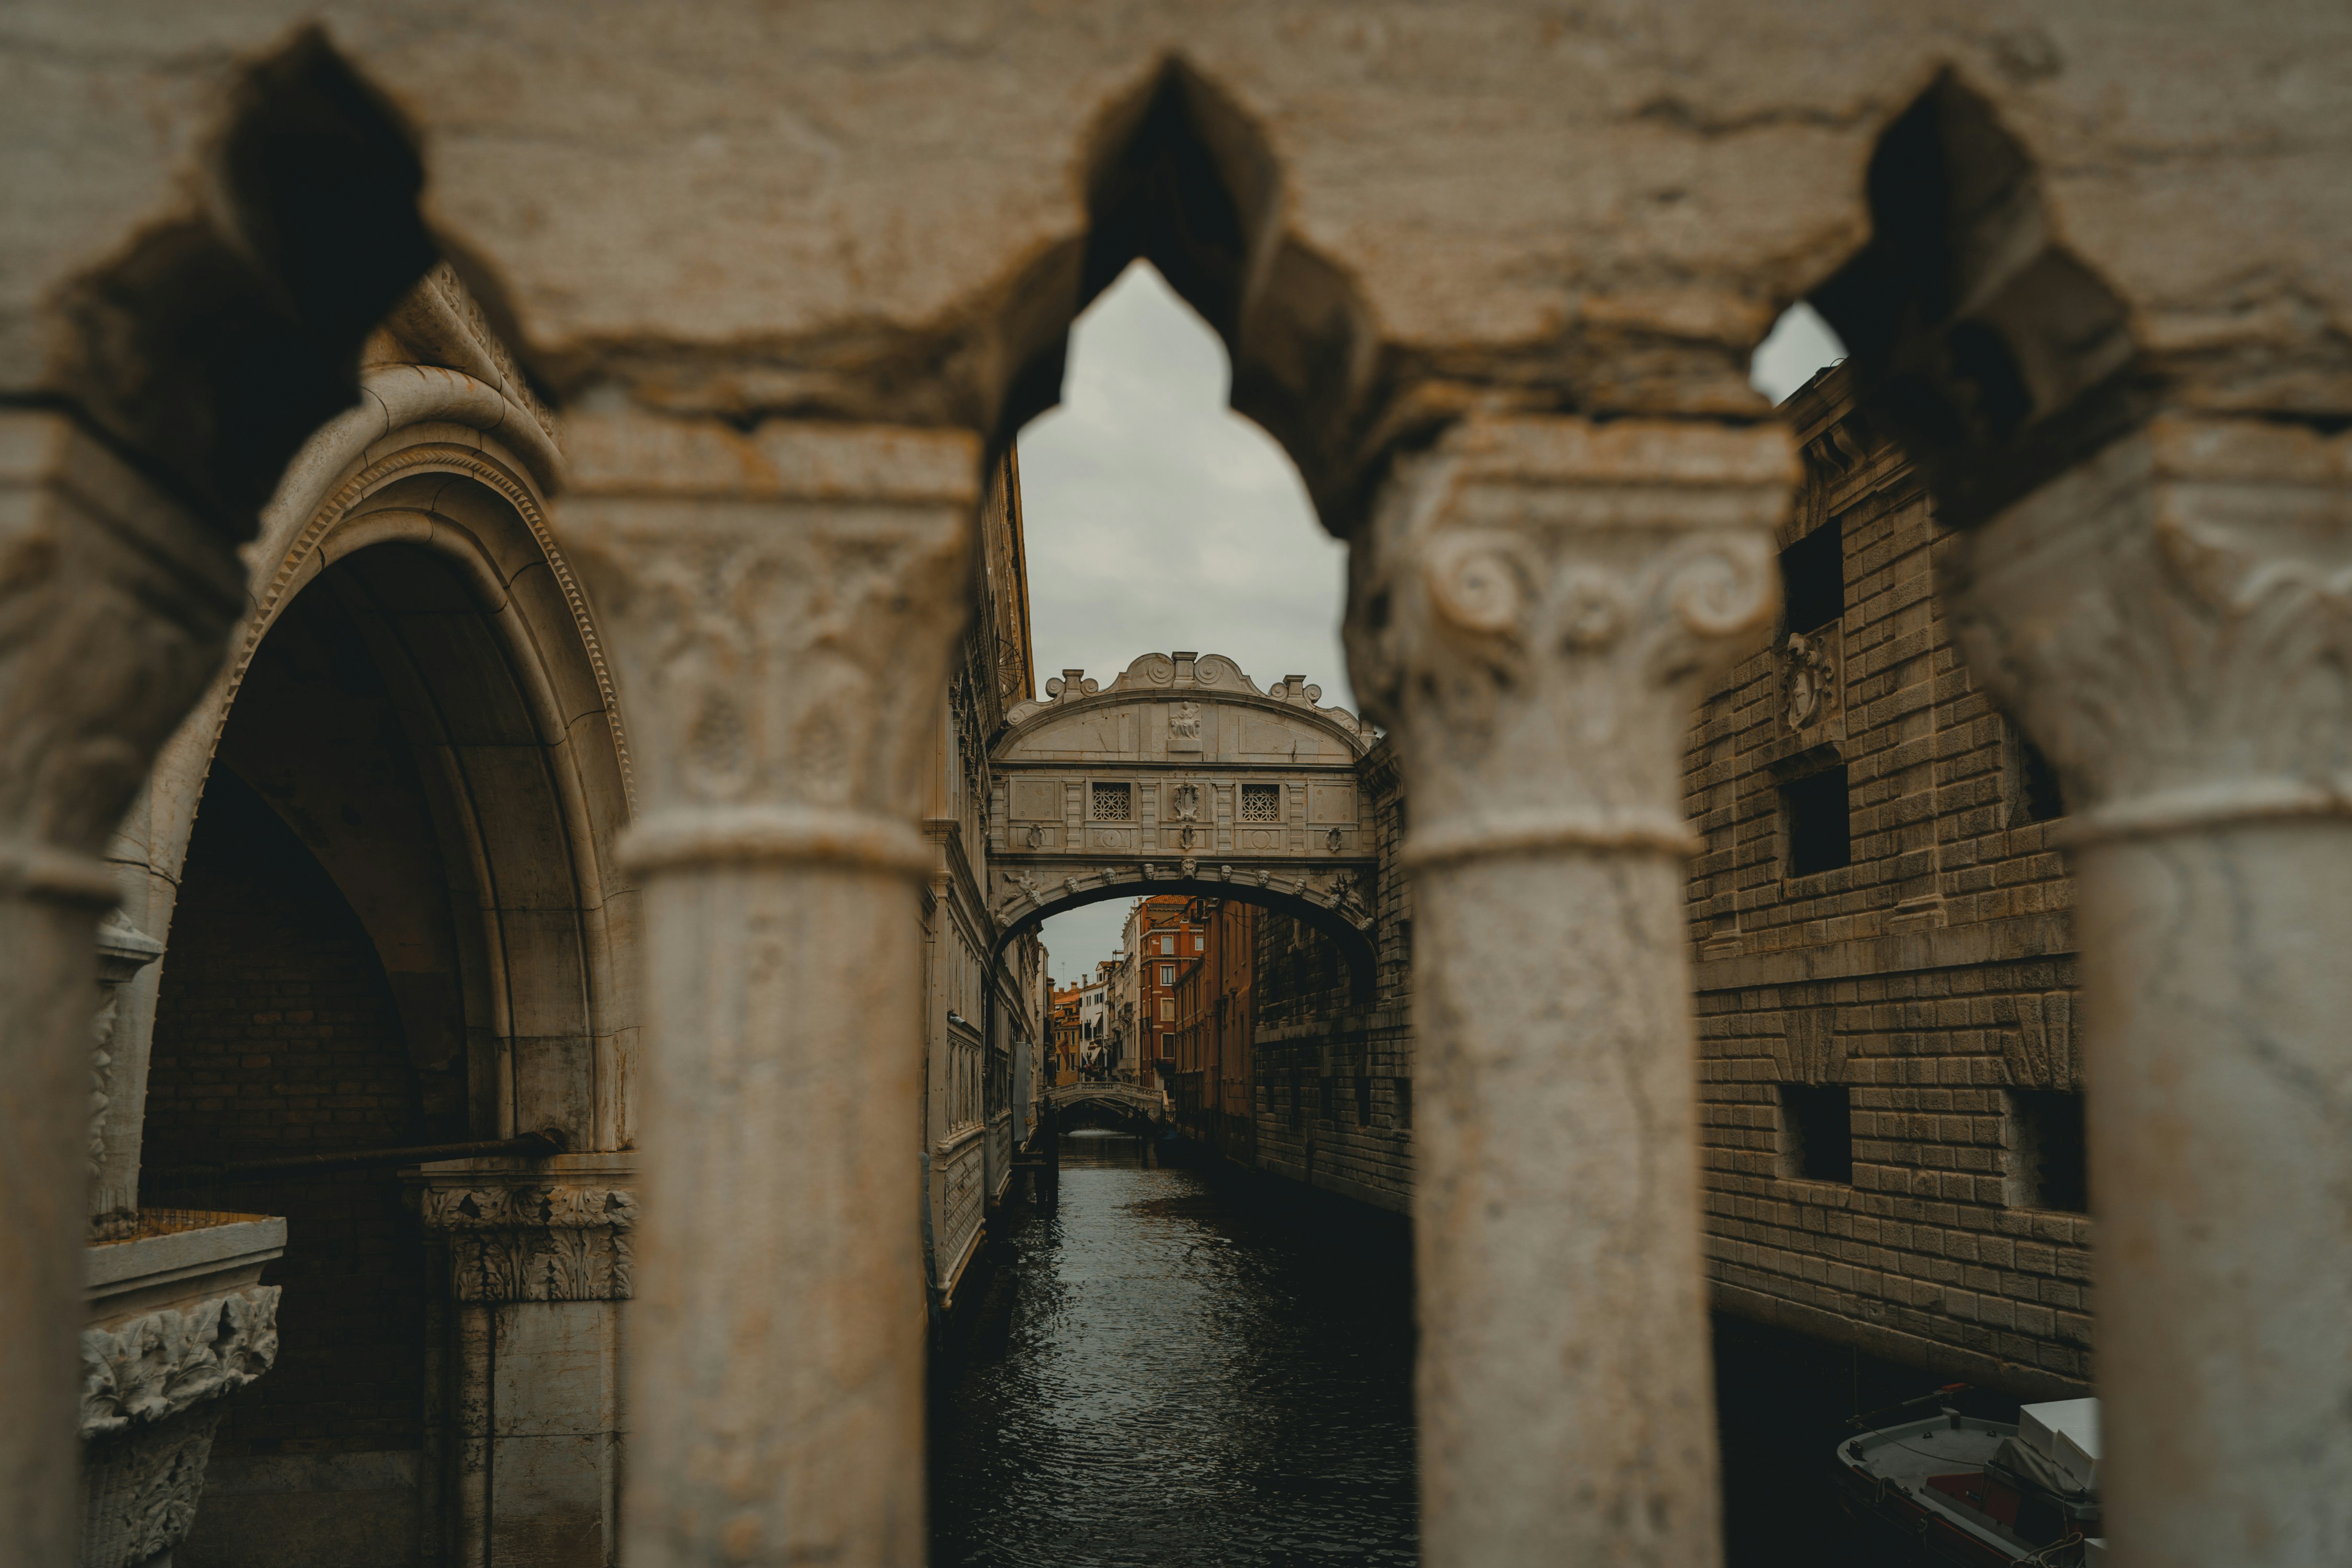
1063,1033
1216,1019
1164,942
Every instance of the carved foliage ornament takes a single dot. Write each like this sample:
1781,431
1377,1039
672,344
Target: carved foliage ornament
141,1488
1542,599
536,1242
782,604
154,1367
2171,620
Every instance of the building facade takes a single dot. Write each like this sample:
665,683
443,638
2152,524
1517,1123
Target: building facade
1161,943
984,1018
364,1105
1894,1136
1213,1085
1493,276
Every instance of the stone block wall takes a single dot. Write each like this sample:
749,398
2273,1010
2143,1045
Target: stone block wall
1919,994
1334,1054
1922,990
1930,1249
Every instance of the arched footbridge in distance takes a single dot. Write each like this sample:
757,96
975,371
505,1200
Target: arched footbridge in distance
1125,1107
1183,777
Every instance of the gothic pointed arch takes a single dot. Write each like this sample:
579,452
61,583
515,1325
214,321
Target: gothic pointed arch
1179,173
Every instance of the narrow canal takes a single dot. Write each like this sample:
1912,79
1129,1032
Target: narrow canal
1168,1375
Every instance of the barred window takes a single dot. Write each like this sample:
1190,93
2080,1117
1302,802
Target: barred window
1114,802
1261,803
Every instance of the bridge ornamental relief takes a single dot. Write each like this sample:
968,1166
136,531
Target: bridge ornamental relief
1182,776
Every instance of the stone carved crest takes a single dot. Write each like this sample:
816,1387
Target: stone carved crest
1187,797
1809,680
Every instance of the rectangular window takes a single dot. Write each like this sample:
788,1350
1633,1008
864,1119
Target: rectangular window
2048,1168
1168,1009
1817,1131
1324,1097
1167,1047
1199,942
1405,1102
1114,802
1167,975
1363,1100
1817,823
2033,783
1261,803
1813,579
1297,1101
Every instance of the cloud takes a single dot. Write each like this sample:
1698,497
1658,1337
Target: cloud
1800,343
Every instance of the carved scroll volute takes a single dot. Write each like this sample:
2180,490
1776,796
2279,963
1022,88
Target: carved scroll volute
1532,589
2171,620
782,605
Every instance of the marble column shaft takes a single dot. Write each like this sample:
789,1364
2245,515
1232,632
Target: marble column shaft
781,607
1537,607
2172,622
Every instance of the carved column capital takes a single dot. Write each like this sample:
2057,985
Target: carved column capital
523,1238
772,599
2172,619
1533,589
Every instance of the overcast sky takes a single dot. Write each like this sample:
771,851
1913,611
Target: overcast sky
1159,518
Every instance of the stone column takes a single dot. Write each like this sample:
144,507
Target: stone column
2172,622
782,604
535,1258
114,603
1535,607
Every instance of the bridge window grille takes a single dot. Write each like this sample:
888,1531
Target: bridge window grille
1261,803
1114,802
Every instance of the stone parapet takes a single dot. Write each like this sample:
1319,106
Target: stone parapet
179,1321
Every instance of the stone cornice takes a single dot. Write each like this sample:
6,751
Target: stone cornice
1210,678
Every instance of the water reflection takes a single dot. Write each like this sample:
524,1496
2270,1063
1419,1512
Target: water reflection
1172,1376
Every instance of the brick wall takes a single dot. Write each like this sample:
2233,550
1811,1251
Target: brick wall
1924,990
1890,1066
1334,1072
276,1033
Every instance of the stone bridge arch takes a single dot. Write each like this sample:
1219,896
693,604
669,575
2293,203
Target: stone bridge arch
1111,1104
1184,777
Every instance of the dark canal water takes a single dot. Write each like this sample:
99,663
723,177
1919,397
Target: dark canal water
1170,1375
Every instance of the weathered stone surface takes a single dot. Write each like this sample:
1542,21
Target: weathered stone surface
2172,619
1535,608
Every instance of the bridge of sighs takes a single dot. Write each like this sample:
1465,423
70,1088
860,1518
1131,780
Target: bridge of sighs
1183,777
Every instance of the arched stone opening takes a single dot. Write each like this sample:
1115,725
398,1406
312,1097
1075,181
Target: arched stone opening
384,765
418,716
1178,174
1998,357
